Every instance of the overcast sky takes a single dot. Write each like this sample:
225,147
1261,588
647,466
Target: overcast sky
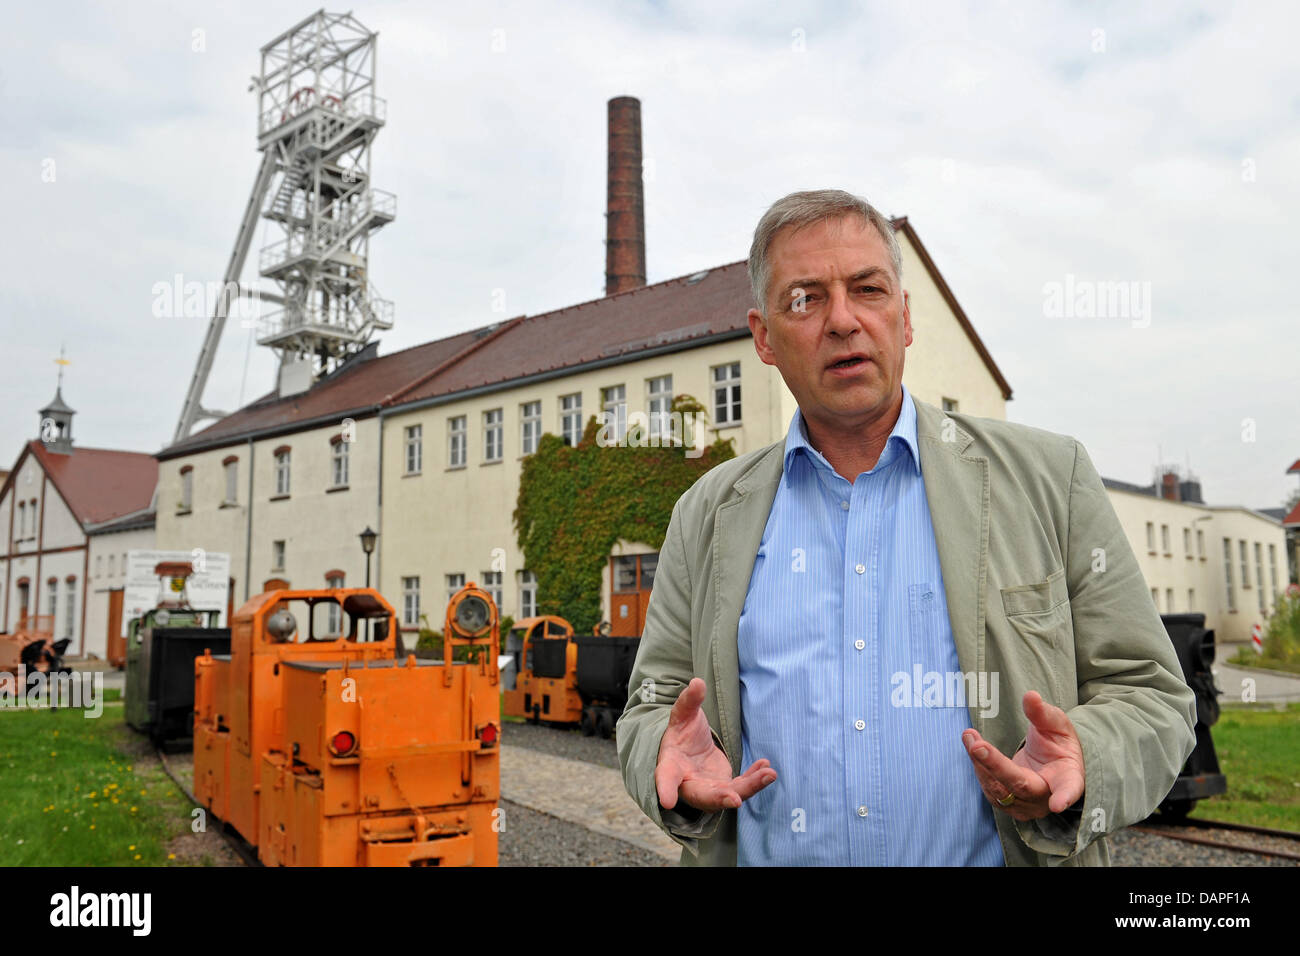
1027,142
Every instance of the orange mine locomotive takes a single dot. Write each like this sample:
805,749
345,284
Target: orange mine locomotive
322,744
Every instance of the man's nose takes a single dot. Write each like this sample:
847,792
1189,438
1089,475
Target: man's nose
840,318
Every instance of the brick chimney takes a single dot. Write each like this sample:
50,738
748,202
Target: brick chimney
625,200
1170,488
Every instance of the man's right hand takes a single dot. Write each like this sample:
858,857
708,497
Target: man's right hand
692,767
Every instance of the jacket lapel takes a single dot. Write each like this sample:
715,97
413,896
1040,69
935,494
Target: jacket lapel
737,532
957,489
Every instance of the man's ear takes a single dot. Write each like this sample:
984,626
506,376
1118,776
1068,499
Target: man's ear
907,320
758,328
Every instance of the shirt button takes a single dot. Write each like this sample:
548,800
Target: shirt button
844,505
862,811
860,569
860,724
859,643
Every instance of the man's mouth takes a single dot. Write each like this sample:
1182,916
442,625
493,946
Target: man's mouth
851,362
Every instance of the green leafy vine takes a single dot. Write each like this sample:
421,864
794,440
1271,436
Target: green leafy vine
576,502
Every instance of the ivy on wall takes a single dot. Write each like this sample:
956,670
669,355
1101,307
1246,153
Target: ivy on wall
576,502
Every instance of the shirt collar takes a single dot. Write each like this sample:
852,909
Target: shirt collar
903,437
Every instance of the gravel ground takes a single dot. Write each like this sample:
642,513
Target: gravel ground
538,839
562,743
1129,848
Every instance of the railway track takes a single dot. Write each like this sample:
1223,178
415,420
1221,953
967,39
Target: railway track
241,849
1238,837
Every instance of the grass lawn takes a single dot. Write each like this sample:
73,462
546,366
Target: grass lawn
1259,752
85,792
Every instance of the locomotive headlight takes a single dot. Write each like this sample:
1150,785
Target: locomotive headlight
472,614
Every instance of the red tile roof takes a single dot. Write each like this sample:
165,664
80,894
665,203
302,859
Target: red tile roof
1292,520
98,483
1294,467
667,314
361,385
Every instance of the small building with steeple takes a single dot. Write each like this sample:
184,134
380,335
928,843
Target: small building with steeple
68,517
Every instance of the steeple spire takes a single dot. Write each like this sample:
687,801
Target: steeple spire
56,417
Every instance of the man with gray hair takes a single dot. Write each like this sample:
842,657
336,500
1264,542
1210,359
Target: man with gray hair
823,605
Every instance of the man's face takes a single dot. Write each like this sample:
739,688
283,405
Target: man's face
833,296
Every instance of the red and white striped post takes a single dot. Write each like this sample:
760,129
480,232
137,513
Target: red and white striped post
1256,639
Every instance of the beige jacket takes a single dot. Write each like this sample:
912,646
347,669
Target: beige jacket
1042,587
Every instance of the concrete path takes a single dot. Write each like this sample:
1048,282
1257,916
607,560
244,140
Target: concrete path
1273,687
581,793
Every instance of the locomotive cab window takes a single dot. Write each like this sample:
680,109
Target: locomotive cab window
308,620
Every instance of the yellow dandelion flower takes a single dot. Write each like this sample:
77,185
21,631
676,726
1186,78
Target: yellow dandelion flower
92,826
137,856
171,856
54,753
131,847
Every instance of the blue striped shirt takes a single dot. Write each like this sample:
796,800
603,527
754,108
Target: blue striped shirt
849,678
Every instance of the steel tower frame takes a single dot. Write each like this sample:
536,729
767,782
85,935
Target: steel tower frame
317,119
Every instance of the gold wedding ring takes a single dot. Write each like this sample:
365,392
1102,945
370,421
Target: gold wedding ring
1009,799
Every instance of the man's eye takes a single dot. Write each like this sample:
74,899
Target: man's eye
869,288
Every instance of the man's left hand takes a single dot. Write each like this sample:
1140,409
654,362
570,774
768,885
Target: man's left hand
1046,774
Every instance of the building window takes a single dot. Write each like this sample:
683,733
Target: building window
1169,600
32,519
282,472
1151,537
1227,574
277,555
614,403
950,404
530,427
1191,599
726,393
22,520
1272,570
492,585
99,565
1155,598
492,435
660,403
187,488
52,587
111,571
414,449
339,462
70,599
456,442
571,418
527,594
334,620
1245,571
231,470
454,583
410,602
1200,543
1187,542
1164,537
1259,577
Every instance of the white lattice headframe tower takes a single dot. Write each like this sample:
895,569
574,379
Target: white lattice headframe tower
317,119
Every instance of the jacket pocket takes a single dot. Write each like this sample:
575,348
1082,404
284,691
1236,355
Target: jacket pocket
1039,614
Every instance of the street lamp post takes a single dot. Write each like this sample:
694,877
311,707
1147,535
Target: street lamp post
368,546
